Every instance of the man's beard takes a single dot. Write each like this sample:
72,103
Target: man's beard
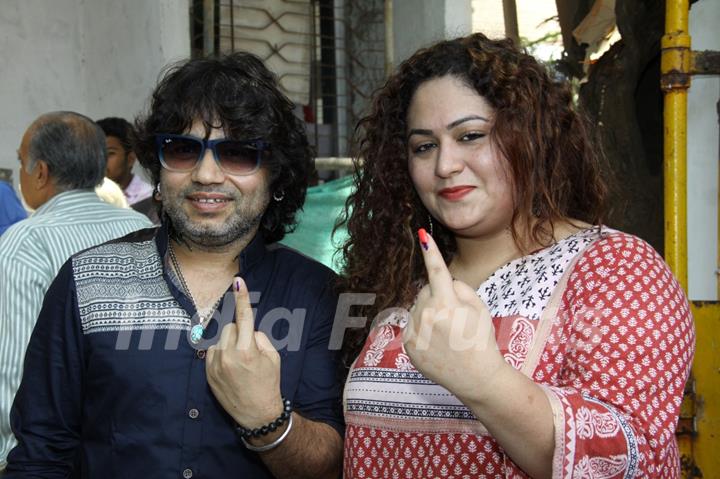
243,222
235,228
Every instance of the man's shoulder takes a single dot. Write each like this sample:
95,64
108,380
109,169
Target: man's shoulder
16,237
103,208
135,240
292,259
299,280
51,238
99,222
84,211
27,231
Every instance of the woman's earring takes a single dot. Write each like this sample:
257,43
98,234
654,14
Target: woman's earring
279,196
430,224
156,192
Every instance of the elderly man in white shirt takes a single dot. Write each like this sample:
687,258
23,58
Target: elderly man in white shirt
62,159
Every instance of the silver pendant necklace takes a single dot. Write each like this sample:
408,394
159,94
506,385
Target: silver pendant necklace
197,331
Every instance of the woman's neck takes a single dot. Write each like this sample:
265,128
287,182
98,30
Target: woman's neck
479,257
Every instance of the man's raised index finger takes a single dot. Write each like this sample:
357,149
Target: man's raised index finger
243,315
439,277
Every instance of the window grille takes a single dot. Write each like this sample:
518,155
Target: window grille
329,56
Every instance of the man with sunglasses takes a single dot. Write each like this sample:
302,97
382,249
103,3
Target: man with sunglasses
200,348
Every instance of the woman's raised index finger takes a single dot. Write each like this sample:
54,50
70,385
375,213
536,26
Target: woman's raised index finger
439,277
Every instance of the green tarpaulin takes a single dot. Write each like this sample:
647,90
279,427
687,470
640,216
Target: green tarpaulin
313,236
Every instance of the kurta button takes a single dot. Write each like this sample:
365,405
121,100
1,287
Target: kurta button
200,354
187,473
193,413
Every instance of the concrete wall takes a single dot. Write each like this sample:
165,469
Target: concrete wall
703,159
97,57
418,23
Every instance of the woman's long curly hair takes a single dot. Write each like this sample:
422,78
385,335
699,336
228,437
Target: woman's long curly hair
552,160
238,93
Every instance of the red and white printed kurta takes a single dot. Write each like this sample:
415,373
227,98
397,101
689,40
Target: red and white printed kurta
597,319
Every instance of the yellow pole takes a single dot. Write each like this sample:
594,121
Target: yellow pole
675,67
675,80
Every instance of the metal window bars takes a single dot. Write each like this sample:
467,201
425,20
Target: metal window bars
329,56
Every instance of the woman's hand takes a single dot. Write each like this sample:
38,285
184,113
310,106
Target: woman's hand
450,337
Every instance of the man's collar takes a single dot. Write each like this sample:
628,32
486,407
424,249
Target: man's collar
252,254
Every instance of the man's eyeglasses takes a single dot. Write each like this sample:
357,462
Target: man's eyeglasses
182,153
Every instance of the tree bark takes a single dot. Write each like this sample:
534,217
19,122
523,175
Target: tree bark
570,14
623,99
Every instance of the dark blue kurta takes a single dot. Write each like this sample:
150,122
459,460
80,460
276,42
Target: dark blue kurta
113,385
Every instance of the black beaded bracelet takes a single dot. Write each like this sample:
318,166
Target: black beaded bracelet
245,433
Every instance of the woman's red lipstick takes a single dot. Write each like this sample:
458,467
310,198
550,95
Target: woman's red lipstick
456,192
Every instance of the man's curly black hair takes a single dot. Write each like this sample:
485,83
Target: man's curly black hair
237,93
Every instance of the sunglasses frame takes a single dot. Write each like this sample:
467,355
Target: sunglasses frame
261,145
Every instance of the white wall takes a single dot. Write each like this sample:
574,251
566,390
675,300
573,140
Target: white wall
703,145
96,57
418,23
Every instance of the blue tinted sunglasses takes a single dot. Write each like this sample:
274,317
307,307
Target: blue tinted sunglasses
182,153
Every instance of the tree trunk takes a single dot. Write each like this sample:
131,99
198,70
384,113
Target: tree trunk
570,14
623,98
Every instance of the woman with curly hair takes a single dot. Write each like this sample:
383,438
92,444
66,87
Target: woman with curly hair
518,337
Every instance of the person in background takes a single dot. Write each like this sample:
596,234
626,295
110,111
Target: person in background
159,368
528,339
62,159
121,159
11,208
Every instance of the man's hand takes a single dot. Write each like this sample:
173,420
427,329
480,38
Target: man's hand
243,368
450,337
